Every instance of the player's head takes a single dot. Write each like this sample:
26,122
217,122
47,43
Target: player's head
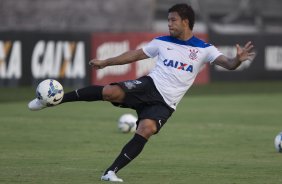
179,16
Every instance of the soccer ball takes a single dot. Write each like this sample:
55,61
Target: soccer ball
127,123
278,142
49,92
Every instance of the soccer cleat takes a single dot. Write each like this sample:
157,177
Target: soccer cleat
35,105
111,176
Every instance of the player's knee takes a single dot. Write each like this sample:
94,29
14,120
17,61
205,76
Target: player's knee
147,129
113,93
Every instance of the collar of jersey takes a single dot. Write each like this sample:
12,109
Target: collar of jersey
193,41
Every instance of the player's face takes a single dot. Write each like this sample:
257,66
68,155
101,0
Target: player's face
176,25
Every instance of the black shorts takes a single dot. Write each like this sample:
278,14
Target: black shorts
142,95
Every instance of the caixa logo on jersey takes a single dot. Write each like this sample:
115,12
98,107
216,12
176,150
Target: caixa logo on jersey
58,59
178,65
10,60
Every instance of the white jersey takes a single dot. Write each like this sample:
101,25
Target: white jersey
178,64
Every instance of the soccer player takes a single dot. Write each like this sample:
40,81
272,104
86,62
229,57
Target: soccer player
155,96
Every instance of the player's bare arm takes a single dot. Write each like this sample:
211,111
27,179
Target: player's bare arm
243,54
125,58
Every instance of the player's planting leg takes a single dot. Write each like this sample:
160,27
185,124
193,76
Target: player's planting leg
111,176
130,151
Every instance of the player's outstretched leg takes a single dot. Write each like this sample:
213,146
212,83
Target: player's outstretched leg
35,105
90,93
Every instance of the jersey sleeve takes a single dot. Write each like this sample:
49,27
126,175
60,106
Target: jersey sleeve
212,54
151,49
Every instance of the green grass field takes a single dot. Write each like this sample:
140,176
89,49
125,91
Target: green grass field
220,134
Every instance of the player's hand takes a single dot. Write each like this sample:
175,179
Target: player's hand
97,64
245,53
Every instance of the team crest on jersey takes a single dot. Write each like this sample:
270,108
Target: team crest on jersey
193,54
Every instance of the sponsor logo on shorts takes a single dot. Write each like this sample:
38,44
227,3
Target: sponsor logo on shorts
132,84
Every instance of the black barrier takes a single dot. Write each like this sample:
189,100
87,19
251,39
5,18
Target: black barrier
27,58
267,65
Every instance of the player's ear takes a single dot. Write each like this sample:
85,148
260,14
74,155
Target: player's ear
186,22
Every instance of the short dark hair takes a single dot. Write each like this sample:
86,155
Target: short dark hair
185,12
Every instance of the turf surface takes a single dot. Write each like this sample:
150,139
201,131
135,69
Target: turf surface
220,134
